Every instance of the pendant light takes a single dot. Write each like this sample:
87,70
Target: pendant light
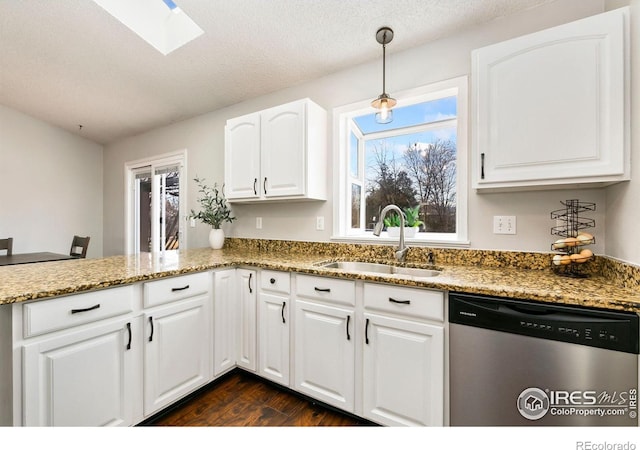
384,103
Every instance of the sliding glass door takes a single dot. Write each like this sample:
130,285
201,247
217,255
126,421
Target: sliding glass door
156,205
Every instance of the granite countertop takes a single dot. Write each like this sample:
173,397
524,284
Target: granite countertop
44,280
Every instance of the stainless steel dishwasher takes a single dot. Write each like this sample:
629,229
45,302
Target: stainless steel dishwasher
519,363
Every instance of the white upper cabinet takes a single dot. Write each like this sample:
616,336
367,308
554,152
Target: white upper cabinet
277,154
551,109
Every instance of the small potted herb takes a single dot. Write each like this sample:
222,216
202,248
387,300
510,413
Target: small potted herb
214,211
412,222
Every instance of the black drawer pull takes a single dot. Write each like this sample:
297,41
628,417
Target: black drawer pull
366,332
402,302
151,323
255,181
90,308
322,289
264,185
129,330
250,290
348,335
180,289
282,312
482,166
272,281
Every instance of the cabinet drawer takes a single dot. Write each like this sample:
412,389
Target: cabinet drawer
274,281
66,312
327,289
176,288
421,303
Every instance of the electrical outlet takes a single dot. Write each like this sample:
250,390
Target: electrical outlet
504,224
320,223
192,222
258,223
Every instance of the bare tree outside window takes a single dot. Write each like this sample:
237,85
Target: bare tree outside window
432,168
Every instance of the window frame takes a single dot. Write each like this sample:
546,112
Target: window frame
342,119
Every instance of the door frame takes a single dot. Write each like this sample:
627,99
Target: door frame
179,158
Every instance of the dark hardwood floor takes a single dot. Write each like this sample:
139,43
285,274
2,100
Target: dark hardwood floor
242,399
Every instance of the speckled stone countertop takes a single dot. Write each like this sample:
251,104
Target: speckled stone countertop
515,275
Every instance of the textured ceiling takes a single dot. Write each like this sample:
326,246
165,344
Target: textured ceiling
68,62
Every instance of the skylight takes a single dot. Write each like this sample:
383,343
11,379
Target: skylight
159,22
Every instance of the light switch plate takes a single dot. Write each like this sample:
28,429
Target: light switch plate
504,224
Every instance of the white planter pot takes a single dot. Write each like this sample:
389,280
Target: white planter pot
216,238
409,232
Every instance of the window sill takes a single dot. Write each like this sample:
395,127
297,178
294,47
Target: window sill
415,242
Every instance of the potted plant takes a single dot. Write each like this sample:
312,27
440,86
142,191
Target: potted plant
412,222
214,211
392,222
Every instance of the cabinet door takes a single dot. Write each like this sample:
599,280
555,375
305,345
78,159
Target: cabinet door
283,150
177,351
403,372
224,317
325,353
82,378
550,106
246,318
242,157
273,342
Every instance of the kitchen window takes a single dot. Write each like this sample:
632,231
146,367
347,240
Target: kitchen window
419,160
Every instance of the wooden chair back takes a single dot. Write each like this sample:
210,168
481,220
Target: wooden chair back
79,246
7,244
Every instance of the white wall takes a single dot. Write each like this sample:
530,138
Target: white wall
51,186
444,59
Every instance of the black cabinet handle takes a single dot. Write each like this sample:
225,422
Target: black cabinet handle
482,166
272,281
250,290
348,335
90,308
366,332
180,289
151,323
264,185
322,289
282,312
402,302
129,330
255,182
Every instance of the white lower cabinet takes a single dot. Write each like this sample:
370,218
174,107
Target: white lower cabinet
403,372
177,342
325,340
81,378
76,360
325,353
246,302
224,321
403,355
273,326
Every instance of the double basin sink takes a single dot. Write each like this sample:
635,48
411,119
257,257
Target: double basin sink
381,268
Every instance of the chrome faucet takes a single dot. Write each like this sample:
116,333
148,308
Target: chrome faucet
402,250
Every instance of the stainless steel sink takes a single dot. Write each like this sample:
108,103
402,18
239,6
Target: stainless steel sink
358,266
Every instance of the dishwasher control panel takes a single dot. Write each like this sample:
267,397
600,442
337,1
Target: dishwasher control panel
613,330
